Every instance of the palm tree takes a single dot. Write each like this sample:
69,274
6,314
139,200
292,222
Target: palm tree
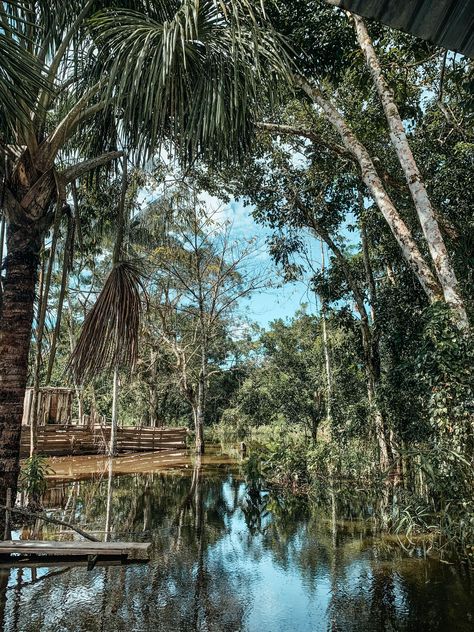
188,74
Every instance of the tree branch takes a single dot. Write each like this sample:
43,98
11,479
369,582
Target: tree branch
293,130
76,171
42,516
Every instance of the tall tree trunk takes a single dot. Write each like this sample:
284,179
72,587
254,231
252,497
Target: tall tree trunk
372,180
416,185
33,402
3,225
108,509
327,360
152,404
115,400
371,357
381,432
67,261
367,266
200,395
152,392
23,245
385,435
116,258
43,308
315,419
200,413
72,344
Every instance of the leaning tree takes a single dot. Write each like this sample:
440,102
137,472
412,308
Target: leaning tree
110,74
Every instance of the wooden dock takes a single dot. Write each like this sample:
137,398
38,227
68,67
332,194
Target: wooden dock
93,551
63,440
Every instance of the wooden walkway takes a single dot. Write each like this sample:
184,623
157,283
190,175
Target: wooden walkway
127,551
63,440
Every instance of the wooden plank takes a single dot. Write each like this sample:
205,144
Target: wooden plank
63,561
75,548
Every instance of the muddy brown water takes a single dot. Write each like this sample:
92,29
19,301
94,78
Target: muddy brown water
225,557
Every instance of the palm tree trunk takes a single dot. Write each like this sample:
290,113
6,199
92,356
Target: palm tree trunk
416,185
3,225
23,245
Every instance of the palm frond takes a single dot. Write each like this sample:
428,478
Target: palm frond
197,78
109,336
20,79
30,35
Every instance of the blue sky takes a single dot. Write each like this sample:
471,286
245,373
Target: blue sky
278,302
285,299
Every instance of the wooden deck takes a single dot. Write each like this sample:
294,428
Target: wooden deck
76,548
63,440
88,466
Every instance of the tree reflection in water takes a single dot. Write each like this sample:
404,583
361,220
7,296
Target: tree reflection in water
231,556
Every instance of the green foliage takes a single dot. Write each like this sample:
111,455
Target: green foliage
33,477
445,367
283,459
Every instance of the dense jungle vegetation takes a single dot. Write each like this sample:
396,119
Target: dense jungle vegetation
130,129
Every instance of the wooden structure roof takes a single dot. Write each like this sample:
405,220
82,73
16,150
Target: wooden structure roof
447,23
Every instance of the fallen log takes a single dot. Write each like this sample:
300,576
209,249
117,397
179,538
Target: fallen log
41,516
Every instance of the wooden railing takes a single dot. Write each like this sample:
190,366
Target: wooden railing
60,440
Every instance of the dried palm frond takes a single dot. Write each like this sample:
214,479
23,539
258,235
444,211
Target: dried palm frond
109,336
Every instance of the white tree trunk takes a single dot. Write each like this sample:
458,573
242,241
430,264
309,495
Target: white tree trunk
199,414
416,185
380,196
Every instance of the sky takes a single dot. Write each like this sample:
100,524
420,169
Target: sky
282,301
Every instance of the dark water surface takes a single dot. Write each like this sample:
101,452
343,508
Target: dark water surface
228,559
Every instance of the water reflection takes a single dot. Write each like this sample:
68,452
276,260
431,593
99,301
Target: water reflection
228,556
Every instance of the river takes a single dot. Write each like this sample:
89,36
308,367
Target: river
226,558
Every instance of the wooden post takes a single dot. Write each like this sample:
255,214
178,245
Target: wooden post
113,430
108,511
8,508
